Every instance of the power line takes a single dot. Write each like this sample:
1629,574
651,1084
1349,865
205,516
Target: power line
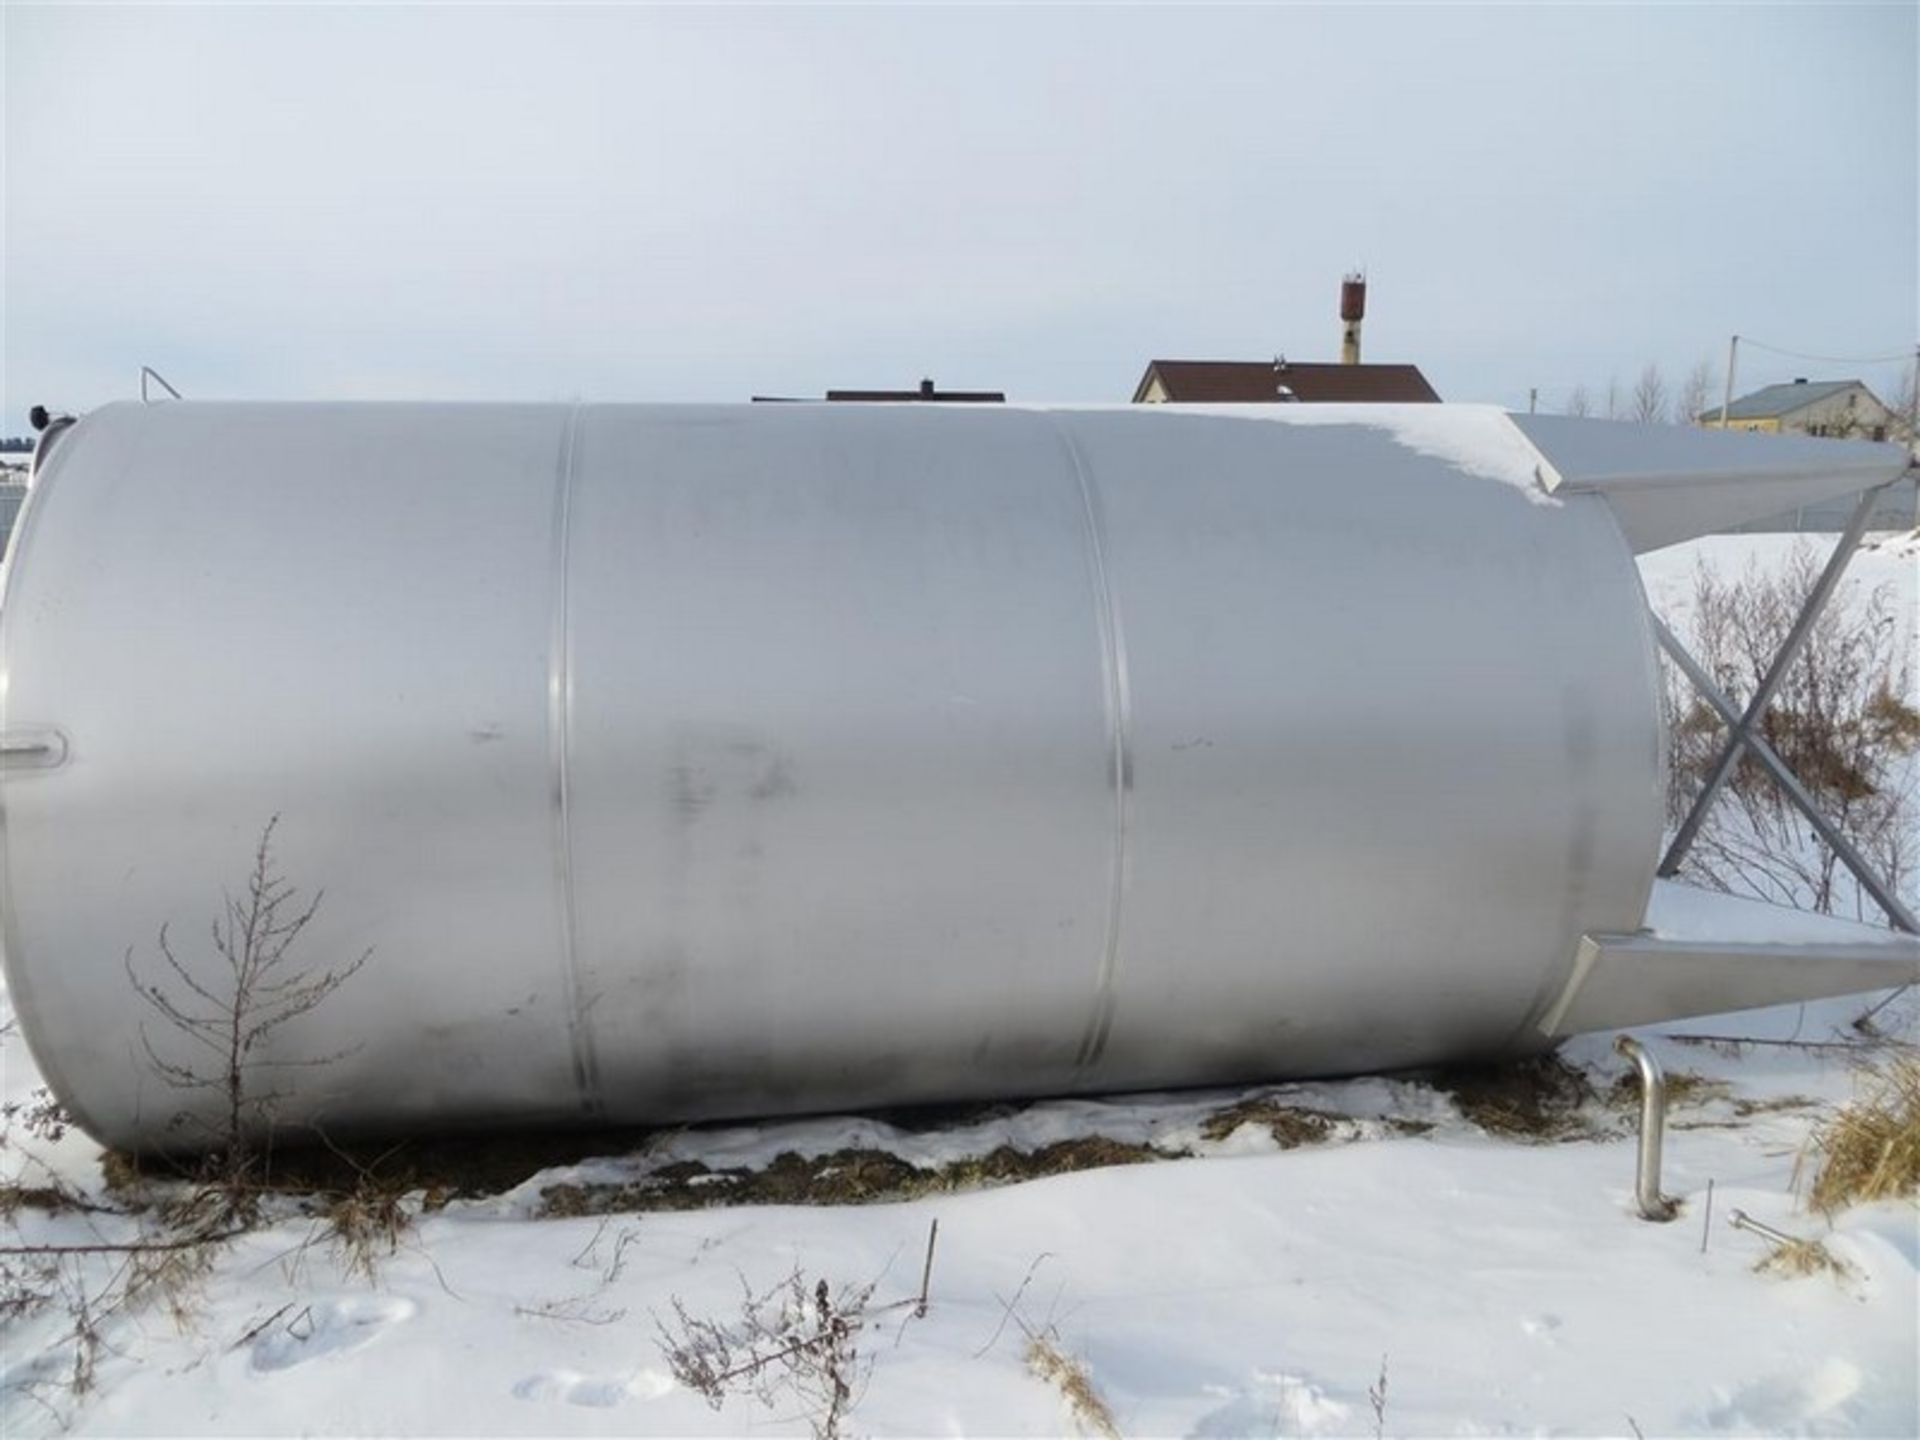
1906,354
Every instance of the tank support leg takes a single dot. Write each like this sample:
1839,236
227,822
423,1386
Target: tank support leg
1789,783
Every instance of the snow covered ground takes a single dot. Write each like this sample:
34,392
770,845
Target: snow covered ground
1500,1284
1503,1287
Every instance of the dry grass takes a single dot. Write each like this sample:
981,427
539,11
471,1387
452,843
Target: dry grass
366,1224
1069,1376
1776,1105
442,1168
55,1198
1803,1257
172,1278
1870,1149
1290,1125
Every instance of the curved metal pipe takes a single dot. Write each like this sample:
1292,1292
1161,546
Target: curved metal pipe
1653,1130
1740,1220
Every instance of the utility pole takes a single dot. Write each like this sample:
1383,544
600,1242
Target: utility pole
1733,357
1533,399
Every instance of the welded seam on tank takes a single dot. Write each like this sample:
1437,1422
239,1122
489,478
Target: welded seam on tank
1581,860
1119,706
586,1076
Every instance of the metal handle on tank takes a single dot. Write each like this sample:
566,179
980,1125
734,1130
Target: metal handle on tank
32,749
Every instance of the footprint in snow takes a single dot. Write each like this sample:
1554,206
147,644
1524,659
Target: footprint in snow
1812,1400
599,1391
1542,1327
1276,1404
328,1327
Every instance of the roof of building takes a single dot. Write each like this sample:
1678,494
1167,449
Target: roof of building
1253,382
1777,400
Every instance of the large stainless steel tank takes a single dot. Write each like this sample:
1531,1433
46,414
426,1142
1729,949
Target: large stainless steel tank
679,762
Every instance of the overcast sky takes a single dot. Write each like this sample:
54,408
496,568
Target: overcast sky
657,203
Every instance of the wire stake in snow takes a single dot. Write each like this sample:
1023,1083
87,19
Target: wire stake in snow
926,1270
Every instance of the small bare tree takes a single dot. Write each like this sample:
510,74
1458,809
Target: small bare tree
1650,397
228,1010
1579,402
1695,391
1613,409
1904,402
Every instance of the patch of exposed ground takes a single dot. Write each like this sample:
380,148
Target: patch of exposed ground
445,1168
1684,1088
1295,1125
845,1177
1537,1100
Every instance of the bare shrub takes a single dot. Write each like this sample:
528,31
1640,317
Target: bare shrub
610,1265
26,1285
1839,720
1069,1375
30,1182
1377,1399
790,1341
170,1276
88,1286
227,1011
1870,1149
71,1291
40,1115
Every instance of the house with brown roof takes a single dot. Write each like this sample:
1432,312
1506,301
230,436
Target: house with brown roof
1268,382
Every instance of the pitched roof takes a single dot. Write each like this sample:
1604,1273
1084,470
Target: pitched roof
1244,382
1774,400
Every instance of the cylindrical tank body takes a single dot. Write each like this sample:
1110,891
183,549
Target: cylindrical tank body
679,762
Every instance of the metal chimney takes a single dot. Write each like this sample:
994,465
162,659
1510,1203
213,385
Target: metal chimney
1353,309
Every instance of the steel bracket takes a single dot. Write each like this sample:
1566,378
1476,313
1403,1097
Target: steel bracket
1744,736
